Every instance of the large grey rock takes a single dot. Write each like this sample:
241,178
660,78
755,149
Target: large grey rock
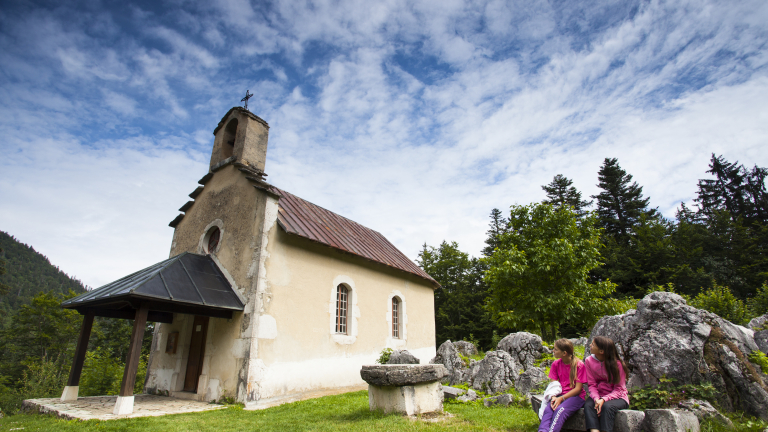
504,400
452,392
465,348
758,323
402,375
667,420
402,357
582,341
524,347
448,356
495,373
704,410
761,340
471,396
530,380
665,336
628,421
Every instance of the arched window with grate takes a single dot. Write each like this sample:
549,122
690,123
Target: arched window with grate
395,317
342,302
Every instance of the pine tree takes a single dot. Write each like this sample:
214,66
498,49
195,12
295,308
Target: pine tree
497,227
561,192
621,204
740,192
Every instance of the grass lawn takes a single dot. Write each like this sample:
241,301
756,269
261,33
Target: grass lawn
346,412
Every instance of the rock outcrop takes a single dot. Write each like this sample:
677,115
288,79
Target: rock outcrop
448,356
402,357
666,337
758,323
530,380
524,347
704,410
495,373
465,348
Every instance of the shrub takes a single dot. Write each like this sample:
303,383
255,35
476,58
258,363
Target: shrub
668,394
758,305
721,301
384,357
102,374
759,358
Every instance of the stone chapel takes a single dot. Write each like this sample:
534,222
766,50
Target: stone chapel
266,298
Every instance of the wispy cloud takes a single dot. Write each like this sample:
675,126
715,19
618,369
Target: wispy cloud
414,118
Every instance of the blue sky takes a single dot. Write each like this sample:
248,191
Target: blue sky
412,118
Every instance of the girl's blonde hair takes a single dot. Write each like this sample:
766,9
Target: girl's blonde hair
566,346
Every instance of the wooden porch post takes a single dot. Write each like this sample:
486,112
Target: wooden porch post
73,383
124,404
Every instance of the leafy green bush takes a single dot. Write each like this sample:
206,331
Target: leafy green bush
758,305
384,357
668,394
721,301
102,374
43,379
759,358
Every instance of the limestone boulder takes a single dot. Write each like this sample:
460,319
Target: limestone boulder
402,357
503,400
524,347
530,380
666,337
582,341
704,410
471,396
448,356
628,421
761,340
758,323
667,420
402,375
497,372
465,348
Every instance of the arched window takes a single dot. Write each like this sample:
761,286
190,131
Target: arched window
395,317
212,240
230,133
342,298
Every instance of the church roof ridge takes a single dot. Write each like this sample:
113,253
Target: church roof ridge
244,111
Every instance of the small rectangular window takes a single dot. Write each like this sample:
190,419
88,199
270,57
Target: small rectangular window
342,294
395,317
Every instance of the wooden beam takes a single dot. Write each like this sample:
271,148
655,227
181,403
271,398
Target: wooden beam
152,316
82,347
134,351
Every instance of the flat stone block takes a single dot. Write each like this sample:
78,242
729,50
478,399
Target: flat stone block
69,394
667,420
409,400
124,405
402,374
503,400
452,392
628,421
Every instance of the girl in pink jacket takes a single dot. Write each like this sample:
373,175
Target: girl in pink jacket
607,380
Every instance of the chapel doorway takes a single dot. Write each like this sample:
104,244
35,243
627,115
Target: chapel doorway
196,353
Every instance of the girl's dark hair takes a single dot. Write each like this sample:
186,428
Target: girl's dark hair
566,346
611,358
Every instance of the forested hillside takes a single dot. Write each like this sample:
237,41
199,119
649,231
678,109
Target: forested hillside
38,336
28,273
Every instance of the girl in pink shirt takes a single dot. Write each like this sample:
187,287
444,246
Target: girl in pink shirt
607,378
569,371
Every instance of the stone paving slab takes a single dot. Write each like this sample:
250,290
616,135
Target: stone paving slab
100,407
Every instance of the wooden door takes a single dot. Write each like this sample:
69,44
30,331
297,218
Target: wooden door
196,353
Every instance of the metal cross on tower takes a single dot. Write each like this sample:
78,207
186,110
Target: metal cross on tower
245,99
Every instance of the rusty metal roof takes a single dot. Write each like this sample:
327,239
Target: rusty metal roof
302,218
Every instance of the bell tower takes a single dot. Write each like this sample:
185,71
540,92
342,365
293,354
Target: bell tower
243,136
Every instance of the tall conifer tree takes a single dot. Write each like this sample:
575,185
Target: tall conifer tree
560,191
621,204
497,226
